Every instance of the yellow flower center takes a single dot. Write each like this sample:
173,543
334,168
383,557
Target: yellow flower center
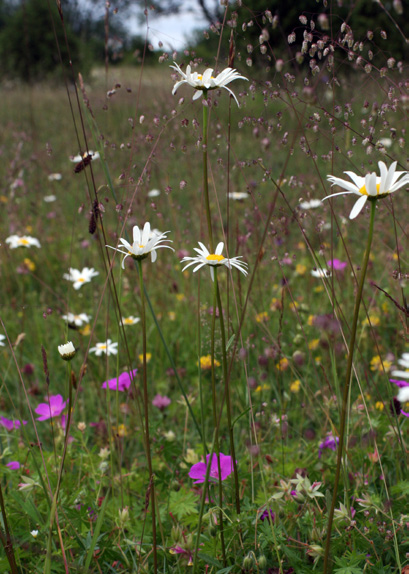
102,346
364,192
80,279
128,321
214,257
23,241
200,77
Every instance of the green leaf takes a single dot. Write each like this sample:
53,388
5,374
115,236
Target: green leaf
209,559
96,533
183,503
401,488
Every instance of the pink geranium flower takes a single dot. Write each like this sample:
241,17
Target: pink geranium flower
161,402
198,470
13,465
52,409
336,264
121,383
10,424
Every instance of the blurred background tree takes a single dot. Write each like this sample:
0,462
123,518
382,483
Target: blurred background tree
28,48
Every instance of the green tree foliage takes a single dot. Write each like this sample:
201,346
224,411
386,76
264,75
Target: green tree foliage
28,48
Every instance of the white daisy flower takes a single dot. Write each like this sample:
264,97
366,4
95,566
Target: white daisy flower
321,273
238,195
55,176
312,204
403,395
109,348
80,277
49,198
76,320
215,259
386,142
79,157
206,81
67,351
34,533
371,186
131,320
2,337
403,362
144,242
15,241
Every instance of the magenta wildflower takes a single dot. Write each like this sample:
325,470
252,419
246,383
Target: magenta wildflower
10,424
399,383
198,470
336,264
13,465
330,442
186,553
52,409
161,402
268,514
121,383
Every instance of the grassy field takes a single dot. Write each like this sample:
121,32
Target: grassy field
107,485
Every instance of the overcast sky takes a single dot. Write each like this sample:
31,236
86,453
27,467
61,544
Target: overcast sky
172,31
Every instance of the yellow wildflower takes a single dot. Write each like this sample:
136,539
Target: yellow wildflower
86,330
374,319
121,430
312,345
262,317
300,269
379,405
260,388
376,364
283,364
148,357
171,315
295,386
310,320
319,289
29,264
206,362
180,296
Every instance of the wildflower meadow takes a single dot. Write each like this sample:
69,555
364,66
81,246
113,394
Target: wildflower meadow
204,339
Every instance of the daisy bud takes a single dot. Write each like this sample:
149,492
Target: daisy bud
67,351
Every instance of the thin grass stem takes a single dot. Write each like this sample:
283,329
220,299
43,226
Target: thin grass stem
345,396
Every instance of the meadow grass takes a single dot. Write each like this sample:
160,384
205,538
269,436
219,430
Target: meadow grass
82,497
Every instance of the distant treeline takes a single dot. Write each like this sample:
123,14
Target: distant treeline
37,35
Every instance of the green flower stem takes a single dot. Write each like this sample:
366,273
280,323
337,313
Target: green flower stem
345,395
202,503
53,511
146,413
173,365
227,394
6,538
205,175
199,368
215,418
